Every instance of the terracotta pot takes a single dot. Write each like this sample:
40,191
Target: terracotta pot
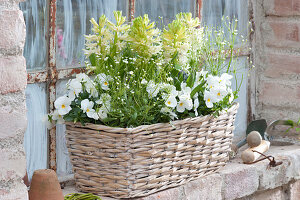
45,186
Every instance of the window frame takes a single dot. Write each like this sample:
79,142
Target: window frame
51,74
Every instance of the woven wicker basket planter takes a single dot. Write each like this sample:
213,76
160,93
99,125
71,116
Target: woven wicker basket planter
132,162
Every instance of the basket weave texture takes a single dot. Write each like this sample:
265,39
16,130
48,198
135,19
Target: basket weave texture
132,162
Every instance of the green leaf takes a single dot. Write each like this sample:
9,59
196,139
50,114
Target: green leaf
197,89
93,59
190,80
297,129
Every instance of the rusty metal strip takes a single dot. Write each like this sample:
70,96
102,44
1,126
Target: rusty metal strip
199,9
53,76
37,77
131,9
69,73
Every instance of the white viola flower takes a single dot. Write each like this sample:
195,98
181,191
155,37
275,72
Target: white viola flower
87,107
209,98
75,86
91,89
82,77
152,89
219,92
103,80
168,111
105,100
71,95
196,105
57,117
102,113
171,102
170,89
185,102
144,82
212,81
62,104
225,79
185,90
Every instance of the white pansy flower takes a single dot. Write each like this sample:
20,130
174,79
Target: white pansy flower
225,79
170,89
105,100
152,89
102,113
185,90
171,102
82,78
75,86
87,107
196,105
185,102
62,104
57,117
91,89
212,81
219,92
168,111
209,98
103,80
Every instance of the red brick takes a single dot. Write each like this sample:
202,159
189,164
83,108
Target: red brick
12,28
278,94
283,34
12,74
284,66
282,7
295,191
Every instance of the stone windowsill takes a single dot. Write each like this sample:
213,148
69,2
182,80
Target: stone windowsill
237,180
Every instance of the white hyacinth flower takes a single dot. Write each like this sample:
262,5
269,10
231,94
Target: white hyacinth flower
62,104
171,102
87,107
57,117
209,98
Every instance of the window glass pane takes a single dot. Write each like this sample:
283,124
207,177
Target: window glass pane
64,166
34,12
72,23
167,9
35,139
214,10
241,117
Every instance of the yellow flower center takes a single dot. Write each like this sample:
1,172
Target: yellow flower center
219,94
169,102
63,106
211,86
105,83
87,110
181,104
208,99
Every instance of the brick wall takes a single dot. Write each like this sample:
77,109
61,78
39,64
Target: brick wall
277,59
12,102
